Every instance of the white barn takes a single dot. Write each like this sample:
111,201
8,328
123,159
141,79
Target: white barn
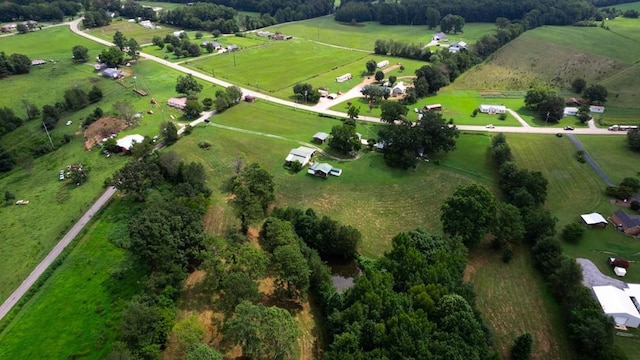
493,109
620,304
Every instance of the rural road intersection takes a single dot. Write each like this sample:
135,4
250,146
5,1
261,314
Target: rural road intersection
11,301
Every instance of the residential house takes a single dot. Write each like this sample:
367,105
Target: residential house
457,46
127,142
382,64
594,220
301,154
320,169
177,102
570,111
320,137
216,46
178,33
629,224
493,109
232,48
439,36
399,89
596,109
111,73
147,24
620,304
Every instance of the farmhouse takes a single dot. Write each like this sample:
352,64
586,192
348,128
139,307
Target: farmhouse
382,64
216,46
620,304
629,224
457,46
439,36
596,109
37,62
302,154
399,89
320,137
178,103
594,220
111,73
493,109
128,141
343,78
8,27
570,111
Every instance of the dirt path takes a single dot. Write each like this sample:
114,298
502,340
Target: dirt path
519,118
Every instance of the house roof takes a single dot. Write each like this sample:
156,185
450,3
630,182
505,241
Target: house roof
439,35
323,167
492,107
617,301
301,154
629,221
321,136
111,72
593,218
128,141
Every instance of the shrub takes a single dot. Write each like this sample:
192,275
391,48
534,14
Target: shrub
502,116
507,255
521,349
204,145
635,205
296,166
572,233
474,113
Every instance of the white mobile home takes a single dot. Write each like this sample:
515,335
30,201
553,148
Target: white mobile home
382,64
343,78
620,304
493,109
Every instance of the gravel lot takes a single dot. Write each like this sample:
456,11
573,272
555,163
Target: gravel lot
593,277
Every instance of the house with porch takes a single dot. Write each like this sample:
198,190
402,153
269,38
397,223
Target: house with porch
627,223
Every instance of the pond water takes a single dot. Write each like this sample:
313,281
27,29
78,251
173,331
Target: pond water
343,273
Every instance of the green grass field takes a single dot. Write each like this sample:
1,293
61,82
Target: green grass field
77,311
242,42
613,155
507,293
627,6
363,36
132,30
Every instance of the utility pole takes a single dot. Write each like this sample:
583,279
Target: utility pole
49,136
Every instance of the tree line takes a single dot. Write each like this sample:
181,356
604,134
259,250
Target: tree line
13,10
421,12
590,330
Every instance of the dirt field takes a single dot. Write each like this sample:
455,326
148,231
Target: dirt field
102,128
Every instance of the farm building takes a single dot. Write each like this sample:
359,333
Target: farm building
111,73
264,34
439,36
147,24
8,27
457,46
128,141
399,89
594,220
216,46
37,62
382,64
493,109
629,224
432,107
232,48
343,78
323,170
302,154
178,33
320,137
620,304
178,103
570,111
596,109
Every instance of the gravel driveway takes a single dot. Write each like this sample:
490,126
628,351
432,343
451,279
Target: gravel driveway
593,277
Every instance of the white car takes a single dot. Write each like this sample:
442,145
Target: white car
490,126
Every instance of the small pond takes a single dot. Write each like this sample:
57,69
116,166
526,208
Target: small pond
343,273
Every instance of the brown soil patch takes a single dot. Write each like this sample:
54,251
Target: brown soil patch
102,128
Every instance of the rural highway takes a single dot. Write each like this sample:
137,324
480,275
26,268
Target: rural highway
10,302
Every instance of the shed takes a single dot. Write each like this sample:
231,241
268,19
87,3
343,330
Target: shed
618,303
320,169
620,271
343,78
493,109
128,141
594,219
629,224
320,137
439,36
302,154
8,27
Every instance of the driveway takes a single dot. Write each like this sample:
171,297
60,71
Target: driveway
590,160
591,276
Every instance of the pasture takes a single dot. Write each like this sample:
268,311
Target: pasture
131,30
363,35
241,42
77,310
612,155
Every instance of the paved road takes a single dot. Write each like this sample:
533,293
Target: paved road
590,160
54,253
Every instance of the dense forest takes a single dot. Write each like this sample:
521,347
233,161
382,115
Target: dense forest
38,10
414,12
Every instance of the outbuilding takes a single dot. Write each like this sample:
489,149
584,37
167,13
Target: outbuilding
382,64
620,304
596,109
320,137
320,169
570,111
177,102
594,220
343,78
301,154
433,107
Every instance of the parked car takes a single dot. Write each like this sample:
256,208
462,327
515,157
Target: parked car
568,128
490,126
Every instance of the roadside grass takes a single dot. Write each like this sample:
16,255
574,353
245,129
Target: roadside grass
507,297
242,42
132,30
363,35
612,154
77,311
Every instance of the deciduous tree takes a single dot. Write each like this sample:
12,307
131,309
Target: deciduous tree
188,85
596,94
469,213
522,346
344,139
80,54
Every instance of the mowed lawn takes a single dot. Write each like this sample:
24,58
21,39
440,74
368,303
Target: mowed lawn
378,200
131,30
514,299
612,155
364,35
77,311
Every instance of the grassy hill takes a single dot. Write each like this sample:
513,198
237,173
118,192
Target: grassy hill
556,55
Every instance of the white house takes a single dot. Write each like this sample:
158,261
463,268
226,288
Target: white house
302,154
177,102
382,64
399,89
457,46
493,109
439,36
596,109
128,141
620,304
178,33
594,219
570,111
343,78
111,73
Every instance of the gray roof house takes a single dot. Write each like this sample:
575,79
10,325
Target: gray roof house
302,154
320,137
